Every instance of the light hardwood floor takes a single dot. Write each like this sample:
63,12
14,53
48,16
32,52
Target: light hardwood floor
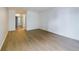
38,40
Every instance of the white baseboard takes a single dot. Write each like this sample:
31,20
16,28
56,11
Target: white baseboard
3,40
61,34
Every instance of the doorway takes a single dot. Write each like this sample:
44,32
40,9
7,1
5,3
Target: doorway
20,21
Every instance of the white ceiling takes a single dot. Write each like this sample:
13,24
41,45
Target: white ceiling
37,9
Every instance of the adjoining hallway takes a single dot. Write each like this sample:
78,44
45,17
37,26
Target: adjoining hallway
38,40
20,19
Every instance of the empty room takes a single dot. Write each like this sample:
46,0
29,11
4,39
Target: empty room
39,29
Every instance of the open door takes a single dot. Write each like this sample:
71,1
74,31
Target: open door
20,21
16,21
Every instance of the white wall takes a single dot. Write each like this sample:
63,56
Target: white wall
32,20
11,20
62,21
3,25
24,20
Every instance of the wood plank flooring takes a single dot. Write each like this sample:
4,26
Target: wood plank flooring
38,40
